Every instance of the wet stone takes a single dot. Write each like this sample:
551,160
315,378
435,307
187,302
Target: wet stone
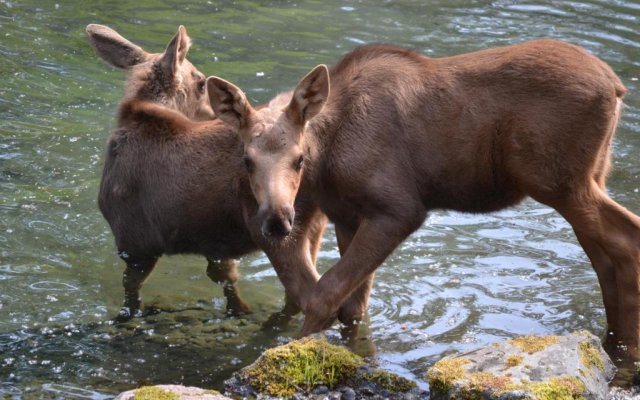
528,367
322,389
348,394
171,392
367,388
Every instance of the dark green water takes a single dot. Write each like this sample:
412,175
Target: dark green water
459,282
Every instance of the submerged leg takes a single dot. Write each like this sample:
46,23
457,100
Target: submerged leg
132,279
297,279
225,273
610,235
293,259
280,319
374,240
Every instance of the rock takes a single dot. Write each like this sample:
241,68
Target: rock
529,367
617,393
313,367
320,390
367,388
171,392
334,396
348,394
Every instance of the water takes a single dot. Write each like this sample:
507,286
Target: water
459,282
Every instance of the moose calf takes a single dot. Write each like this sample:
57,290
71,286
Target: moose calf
173,185
400,134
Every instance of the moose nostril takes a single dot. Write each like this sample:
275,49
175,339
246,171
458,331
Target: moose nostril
276,227
290,214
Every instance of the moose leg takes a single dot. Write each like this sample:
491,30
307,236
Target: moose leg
354,308
606,273
294,260
225,273
315,230
374,240
280,319
610,235
295,265
132,279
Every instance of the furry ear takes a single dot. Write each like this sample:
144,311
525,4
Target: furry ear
229,102
113,48
176,52
309,96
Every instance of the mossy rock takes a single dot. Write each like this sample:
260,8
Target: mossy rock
154,393
567,367
171,392
302,365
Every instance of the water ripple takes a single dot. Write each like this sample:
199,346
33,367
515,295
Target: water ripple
53,286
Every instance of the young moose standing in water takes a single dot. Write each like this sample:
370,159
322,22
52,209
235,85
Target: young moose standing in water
174,183
400,134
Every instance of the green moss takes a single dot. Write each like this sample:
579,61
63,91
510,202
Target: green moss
154,393
534,344
391,382
303,364
562,388
213,392
590,356
480,383
445,373
513,361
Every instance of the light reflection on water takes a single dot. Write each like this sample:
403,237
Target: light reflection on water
459,282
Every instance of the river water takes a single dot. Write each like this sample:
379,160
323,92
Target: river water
459,282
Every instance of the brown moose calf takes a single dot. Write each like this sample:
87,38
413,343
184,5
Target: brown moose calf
173,185
400,134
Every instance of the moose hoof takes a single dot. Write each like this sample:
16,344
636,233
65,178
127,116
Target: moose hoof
277,321
125,314
238,309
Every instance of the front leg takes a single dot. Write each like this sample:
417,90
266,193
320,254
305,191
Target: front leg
294,259
133,277
374,240
355,307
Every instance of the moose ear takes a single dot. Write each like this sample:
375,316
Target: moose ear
309,96
176,52
229,102
113,48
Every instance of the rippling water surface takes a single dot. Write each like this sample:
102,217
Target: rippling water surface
459,282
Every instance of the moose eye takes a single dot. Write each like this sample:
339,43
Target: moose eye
201,85
248,163
298,164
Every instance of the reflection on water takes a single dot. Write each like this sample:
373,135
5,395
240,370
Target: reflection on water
459,282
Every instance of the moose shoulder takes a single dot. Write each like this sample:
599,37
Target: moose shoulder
400,134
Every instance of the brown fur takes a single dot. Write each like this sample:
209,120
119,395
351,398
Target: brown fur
402,134
172,185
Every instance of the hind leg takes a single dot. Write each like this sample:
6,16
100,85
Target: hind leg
610,235
132,280
225,273
606,273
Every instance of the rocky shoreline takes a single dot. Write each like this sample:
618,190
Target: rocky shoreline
567,367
